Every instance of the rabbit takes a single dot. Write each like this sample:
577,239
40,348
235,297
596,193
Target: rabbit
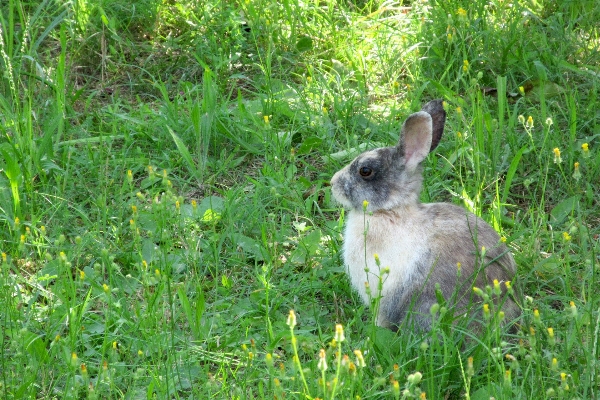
421,244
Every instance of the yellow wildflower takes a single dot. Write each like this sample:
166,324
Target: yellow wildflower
586,150
529,123
557,158
576,173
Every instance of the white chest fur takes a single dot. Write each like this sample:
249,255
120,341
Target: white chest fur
398,243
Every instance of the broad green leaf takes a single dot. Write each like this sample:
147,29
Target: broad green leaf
305,43
564,208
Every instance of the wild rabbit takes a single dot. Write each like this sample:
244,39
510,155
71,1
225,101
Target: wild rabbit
422,244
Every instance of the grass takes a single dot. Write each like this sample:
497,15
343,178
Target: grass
164,200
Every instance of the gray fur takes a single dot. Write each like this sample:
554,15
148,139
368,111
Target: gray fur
420,243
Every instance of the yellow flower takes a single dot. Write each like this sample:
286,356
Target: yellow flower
266,118
529,123
536,316
105,288
586,150
470,369
573,308
566,236
507,374
497,289
322,364
365,205
465,66
74,359
576,173
360,361
551,339
291,321
458,110
486,310
557,158
522,90
462,13
339,333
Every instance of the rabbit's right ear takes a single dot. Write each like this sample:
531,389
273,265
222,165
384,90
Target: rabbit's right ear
415,138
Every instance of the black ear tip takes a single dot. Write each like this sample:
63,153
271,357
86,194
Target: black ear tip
434,107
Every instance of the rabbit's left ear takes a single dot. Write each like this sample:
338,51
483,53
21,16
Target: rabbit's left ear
435,108
415,138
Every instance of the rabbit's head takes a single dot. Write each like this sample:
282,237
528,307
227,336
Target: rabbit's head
390,177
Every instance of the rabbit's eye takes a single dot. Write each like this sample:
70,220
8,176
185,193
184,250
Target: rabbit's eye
365,172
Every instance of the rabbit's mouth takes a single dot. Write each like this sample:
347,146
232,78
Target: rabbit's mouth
338,192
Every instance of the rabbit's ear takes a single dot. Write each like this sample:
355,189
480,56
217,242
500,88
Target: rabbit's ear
415,139
435,108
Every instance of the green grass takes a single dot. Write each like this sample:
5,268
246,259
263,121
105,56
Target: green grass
164,200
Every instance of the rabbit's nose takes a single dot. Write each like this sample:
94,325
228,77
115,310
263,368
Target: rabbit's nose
334,178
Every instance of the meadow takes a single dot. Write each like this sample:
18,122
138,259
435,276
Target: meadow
167,228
